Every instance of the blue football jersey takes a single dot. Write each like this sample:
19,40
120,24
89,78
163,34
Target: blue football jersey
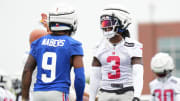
52,54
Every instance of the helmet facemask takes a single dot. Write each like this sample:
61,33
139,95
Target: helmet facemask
110,22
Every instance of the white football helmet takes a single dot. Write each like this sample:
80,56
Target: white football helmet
162,62
116,17
62,18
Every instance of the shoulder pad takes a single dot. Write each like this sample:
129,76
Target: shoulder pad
129,44
174,81
100,44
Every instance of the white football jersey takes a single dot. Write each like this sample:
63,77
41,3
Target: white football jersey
115,62
2,94
6,95
165,89
10,96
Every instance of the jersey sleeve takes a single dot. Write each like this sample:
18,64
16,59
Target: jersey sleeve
178,86
33,50
136,50
97,49
76,48
177,97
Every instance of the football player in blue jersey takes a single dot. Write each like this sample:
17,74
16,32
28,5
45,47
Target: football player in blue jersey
54,55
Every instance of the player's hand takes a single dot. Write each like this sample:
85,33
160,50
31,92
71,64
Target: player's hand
44,19
136,99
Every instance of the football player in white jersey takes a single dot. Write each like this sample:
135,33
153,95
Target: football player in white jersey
117,70
165,87
5,94
2,91
2,95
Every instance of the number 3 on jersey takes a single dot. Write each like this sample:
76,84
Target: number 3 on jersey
51,67
114,67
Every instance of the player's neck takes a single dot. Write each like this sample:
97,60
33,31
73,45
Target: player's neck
60,33
116,39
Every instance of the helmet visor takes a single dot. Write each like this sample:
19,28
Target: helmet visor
106,23
109,23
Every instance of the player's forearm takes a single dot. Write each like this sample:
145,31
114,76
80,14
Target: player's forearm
79,83
26,82
95,78
138,72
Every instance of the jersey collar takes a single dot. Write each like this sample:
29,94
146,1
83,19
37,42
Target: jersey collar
109,44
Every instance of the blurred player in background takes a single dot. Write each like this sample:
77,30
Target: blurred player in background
44,22
5,93
17,88
36,34
2,88
54,55
117,69
165,87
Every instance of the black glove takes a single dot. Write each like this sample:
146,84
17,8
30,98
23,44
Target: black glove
136,99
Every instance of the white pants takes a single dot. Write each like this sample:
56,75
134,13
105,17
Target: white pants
105,96
50,96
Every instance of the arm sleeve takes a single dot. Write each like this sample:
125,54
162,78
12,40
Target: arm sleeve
95,78
79,83
138,72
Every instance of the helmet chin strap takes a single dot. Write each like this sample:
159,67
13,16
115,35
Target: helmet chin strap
109,34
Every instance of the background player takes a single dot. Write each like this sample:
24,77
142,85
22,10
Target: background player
165,87
117,68
44,22
5,93
54,55
36,34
